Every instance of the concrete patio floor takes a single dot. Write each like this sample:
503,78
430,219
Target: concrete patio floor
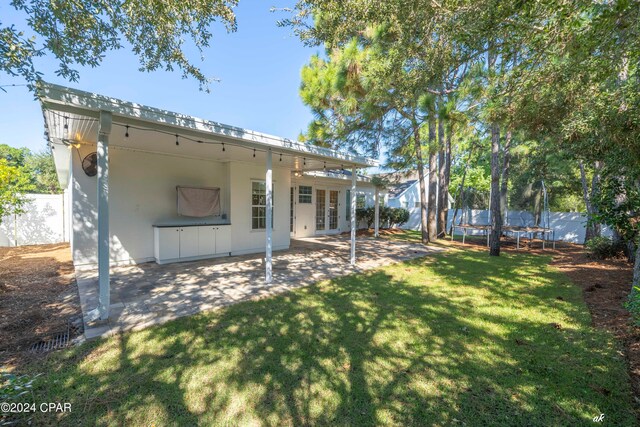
150,294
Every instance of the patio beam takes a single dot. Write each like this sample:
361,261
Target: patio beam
377,213
353,215
104,130
268,226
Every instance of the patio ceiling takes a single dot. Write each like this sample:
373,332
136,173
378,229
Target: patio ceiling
71,120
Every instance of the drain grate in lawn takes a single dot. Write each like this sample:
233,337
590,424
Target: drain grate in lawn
59,341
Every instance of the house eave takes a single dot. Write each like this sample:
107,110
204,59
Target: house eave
89,104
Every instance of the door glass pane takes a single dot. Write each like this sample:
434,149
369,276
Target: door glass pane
320,209
291,198
333,210
348,205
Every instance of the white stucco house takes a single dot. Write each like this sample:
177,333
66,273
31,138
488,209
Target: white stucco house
126,167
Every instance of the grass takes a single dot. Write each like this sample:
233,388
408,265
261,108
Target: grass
458,338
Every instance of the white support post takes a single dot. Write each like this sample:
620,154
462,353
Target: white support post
377,214
103,214
269,190
353,216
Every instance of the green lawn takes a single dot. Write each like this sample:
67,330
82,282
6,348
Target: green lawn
456,339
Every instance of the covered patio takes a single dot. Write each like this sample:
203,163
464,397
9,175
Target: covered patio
124,163
149,294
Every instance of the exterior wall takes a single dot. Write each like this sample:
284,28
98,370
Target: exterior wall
408,200
305,213
45,221
141,193
244,239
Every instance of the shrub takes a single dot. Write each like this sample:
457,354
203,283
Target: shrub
399,216
388,216
604,247
633,304
367,215
15,388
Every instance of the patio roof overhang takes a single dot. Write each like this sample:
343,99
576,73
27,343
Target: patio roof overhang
75,118
72,119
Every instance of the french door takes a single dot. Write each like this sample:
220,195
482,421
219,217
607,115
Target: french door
326,210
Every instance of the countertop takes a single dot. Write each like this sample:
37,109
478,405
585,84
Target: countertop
188,224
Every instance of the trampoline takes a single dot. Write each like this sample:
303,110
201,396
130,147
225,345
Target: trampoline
542,229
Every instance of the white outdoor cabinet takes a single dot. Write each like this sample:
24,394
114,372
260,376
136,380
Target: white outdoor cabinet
223,239
191,242
167,242
206,239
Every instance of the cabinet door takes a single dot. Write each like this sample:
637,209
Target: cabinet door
206,240
223,239
168,243
188,242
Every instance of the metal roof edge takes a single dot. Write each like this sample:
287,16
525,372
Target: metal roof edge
56,94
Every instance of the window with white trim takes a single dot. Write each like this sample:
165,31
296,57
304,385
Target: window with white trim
259,205
304,194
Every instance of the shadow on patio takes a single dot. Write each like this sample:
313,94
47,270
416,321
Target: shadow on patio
148,294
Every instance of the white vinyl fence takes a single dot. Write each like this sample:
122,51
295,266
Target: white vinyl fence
46,220
568,226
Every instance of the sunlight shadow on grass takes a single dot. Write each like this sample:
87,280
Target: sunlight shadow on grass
453,338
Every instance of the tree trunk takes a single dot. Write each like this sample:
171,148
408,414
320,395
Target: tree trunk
433,180
636,269
442,219
592,229
447,173
496,216
460,198
423,193
504,185
595,190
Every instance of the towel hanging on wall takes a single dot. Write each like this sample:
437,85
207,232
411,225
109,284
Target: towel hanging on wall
198,202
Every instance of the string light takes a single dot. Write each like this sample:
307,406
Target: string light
129,127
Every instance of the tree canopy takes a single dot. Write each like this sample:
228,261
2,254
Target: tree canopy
549,90
82,32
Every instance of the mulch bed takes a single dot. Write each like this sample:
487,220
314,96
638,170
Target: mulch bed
38,299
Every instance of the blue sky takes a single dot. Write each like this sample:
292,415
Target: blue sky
259,67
